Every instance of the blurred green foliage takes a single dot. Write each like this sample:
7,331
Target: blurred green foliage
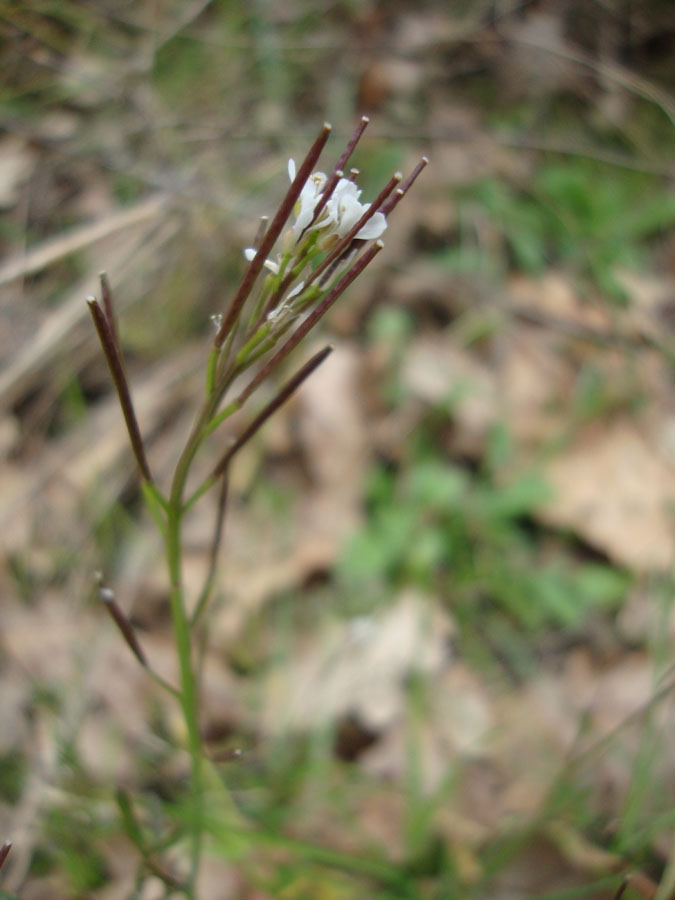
591,218
471,538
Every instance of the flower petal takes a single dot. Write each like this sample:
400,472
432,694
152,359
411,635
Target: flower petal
349,213
269,264
373,228
298,289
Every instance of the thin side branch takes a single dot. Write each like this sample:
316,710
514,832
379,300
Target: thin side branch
108,307
311,320
4,852
345,242
114,359
338,170
123,624
107,595
216,542
622,888
284,394
401,191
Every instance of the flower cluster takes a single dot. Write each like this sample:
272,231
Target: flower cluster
341,212
333,216
330,222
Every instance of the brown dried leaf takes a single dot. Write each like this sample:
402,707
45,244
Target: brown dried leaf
613,487
359,667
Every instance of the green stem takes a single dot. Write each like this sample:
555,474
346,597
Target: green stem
205,486
229,410
211,369
380,871
175,509
188,685
257,338
181,629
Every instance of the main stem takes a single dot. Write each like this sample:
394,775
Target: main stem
182,635
188,684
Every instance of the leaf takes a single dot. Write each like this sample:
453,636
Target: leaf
601,585
516,499
437,486
129,821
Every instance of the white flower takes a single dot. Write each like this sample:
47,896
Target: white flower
308,199
269,264
285,309
298,289
341,212
344,210
274,316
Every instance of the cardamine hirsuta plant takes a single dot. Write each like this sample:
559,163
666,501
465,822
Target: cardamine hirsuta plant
295,273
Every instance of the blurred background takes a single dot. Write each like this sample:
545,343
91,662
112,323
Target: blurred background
443,633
